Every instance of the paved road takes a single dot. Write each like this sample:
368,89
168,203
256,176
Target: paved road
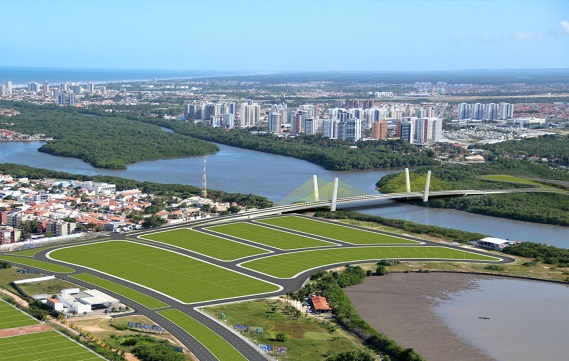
246,348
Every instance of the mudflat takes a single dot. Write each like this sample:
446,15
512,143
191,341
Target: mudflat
401,306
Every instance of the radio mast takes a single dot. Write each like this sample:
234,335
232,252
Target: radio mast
204,179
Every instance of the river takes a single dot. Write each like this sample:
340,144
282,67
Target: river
274,176
449,317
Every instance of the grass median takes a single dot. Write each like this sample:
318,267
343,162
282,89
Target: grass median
335,231
211,340
290,264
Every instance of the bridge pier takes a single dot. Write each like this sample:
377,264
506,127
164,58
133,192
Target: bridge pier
427,186
316,194
407,181
334,196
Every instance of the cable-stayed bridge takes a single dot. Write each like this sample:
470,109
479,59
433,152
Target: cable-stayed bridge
319,193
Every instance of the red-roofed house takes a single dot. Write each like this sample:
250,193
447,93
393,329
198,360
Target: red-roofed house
320,304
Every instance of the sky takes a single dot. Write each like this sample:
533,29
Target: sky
285,35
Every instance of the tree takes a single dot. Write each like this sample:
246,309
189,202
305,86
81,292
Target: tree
381,270
282,337
352,356
153,221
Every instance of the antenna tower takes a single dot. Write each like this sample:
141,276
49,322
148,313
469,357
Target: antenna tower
204,179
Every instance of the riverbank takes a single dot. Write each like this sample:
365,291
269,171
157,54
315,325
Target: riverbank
424,311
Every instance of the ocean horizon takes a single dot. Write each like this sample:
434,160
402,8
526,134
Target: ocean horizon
22,75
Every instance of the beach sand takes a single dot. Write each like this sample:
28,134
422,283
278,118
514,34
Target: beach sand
401,306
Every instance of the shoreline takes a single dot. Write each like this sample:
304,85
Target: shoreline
405,307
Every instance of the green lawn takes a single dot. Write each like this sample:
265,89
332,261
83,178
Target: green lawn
49,287
310,338
183,278
134,295
334,231
30,262
290,264
11,317
510,179
29,252
206,244
212,341
268,236
43,346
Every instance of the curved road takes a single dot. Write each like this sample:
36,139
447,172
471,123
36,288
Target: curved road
250,351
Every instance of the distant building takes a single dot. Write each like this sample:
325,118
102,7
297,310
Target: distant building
274,122
379,129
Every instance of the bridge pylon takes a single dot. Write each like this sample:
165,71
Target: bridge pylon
427,186
334,196
316,194
407,181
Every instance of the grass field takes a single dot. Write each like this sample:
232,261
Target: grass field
510,179
310,338
49,287
212,341
11,317
206,244
134,295
268,236
334,231
290,264
43,346
180,277
29,252
37,264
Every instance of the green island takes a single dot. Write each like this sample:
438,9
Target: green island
101,140
549,207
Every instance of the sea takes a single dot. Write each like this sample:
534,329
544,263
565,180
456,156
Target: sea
23,75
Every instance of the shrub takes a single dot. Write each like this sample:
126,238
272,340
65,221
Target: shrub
381,270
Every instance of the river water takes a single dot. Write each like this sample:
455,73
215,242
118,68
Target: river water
274,176
516,328
453,316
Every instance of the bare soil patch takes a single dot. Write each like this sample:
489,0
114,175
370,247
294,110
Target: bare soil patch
18,331
401,307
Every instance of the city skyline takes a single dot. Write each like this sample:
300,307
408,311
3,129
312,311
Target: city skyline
287,35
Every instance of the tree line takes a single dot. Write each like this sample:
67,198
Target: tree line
101,140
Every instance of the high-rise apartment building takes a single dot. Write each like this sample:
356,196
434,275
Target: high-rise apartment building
506,111
274,122
45,88
379,129
464,110
9,87
250,115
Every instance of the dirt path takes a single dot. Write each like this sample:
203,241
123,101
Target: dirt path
18,331
17,298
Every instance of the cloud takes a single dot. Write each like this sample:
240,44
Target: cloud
565,26
523,35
